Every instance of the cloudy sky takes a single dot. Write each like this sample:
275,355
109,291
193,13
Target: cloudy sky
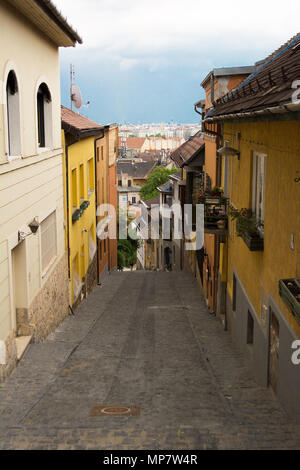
144,60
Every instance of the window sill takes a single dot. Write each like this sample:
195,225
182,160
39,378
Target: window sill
49,266
43,150
11,158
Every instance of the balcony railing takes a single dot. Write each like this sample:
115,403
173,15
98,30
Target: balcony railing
289,290
215,212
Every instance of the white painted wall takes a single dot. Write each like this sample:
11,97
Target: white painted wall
32,185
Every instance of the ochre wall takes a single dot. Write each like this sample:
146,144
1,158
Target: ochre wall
262,270
79,154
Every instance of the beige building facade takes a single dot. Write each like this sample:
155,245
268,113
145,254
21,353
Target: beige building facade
33,260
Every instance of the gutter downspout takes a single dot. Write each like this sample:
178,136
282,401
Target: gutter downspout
96,197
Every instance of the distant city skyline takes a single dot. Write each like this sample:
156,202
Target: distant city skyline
139,64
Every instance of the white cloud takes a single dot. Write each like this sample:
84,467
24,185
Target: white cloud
127,64
135,32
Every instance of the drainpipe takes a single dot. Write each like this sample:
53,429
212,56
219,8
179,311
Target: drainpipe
96,199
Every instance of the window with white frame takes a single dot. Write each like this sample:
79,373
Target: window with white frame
259,188
13,115
48,241
44,116
91,176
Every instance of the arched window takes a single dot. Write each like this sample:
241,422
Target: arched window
13,115
44,115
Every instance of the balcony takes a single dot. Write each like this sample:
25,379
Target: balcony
215,212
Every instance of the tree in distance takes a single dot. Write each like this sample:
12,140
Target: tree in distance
158,177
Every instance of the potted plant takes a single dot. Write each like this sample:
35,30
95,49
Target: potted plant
247,227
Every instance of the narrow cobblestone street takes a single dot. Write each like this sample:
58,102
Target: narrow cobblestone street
143,339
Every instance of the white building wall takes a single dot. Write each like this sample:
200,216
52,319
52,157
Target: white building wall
31,186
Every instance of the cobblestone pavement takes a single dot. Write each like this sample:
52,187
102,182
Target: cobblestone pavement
143,339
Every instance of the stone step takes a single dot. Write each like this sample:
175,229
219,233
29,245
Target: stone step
22,343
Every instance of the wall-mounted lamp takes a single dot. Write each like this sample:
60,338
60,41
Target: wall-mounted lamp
227,151
34,226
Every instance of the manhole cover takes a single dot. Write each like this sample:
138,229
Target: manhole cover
115,411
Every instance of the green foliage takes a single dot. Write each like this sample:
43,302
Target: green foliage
246,222
127,252
158,177
127,249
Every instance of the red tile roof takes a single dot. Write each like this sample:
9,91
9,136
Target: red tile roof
187,150
135,142
75,123
269,87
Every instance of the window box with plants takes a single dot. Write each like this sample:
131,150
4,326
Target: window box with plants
289,290
76,215
248,228
84,205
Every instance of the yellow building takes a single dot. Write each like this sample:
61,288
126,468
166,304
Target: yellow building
79,134
33,260
261,173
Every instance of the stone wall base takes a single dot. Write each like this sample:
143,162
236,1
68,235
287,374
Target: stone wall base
91,276
11,357
49,308
90,282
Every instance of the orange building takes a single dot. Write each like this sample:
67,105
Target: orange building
106,176
218,83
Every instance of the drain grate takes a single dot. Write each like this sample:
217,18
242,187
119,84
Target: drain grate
115,411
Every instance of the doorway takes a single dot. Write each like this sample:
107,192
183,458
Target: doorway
274,351
19,281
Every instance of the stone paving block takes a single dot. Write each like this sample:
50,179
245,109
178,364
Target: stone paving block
143,339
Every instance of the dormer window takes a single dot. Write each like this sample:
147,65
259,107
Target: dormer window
44,115
13,115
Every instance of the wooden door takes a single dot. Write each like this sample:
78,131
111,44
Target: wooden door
274,352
